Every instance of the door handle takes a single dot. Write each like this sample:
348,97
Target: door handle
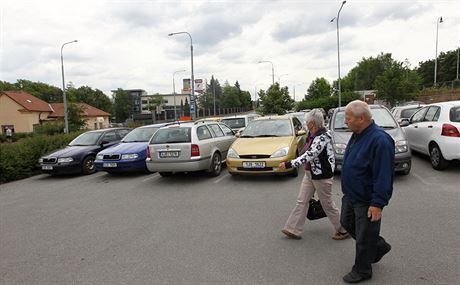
415,127
430,127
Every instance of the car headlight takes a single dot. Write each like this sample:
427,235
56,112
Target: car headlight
280,153
100,157
232,154
129,156
40,160
401,146
64,159
339,148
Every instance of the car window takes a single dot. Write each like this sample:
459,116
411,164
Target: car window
110,137
90,138
381,117
122,133
268,128
431,113
418,116
172,135
227,130
297,124
234,123
140,135
407,113
203,133
216,130
454,114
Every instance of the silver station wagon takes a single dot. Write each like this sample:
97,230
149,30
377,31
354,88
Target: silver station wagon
186,147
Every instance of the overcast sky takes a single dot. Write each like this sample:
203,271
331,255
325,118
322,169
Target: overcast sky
125,44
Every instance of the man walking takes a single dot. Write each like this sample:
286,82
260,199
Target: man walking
9,134
367,185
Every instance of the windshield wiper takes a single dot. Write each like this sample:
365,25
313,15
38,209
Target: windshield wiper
266,136
133,141
246,136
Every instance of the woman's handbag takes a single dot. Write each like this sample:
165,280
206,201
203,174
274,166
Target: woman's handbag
315,210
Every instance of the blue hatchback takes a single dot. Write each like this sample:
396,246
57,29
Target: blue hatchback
130,154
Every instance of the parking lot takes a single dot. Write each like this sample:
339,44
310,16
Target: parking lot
193,229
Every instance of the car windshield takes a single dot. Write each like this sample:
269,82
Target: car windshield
454,114
380,116
407,113
139,135
234,123
268,128
172,135
86,139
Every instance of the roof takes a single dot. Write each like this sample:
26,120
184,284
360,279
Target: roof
87,110
27,101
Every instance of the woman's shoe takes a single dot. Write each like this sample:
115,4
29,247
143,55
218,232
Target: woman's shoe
290,235
339,236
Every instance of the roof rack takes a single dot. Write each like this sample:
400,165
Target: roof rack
207,120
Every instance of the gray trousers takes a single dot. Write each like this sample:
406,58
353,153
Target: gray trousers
323,188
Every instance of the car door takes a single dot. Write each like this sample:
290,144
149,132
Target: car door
427,126
109,139
300,140
228,139
412,131
219,139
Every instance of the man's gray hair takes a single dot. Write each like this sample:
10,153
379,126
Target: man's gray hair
316,117
359,108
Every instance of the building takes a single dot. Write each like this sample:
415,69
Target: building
94,118
136,95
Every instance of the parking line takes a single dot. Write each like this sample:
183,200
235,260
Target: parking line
155,175
221,178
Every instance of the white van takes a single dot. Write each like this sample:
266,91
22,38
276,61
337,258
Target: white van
238,122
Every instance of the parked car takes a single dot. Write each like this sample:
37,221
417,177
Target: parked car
266,142
382,117
130,154
79,155
434,131
405,112
239,122
186,147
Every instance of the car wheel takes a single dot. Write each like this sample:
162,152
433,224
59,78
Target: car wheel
88,166
165,174
437,160
216,165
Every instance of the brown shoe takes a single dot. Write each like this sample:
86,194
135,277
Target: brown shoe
290,235
339,236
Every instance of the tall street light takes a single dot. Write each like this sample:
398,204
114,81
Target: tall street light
338,51
66,119
273,70
192,94
174,92
439,20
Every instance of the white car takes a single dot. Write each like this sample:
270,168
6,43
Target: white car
434,130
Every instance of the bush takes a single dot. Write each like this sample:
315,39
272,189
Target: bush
19,160
49,129
327,102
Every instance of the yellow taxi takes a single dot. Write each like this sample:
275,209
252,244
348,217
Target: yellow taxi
266,142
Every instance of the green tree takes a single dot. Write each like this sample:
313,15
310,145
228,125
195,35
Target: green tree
6,86
40,90
327,102
275,100
447,69
230,96
186,108
95,98
122,105
76,122
154,103
319,87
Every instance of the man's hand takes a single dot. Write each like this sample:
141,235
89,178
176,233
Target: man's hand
374,213
282,166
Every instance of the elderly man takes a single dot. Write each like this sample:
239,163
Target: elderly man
367,185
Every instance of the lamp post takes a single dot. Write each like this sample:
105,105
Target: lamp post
439,20
279,78
338,51
192,93
273,70
66,119
174,92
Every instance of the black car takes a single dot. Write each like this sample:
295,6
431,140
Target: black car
79,155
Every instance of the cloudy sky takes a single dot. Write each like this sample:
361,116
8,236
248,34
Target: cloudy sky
125,44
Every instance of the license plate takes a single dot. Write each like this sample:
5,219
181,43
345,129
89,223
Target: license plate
167,154
109,164
47,167
253,164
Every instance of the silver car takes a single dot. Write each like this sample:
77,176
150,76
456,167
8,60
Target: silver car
382,117
186,147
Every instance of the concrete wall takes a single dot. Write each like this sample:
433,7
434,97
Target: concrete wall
442,96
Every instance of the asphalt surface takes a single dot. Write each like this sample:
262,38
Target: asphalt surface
193,229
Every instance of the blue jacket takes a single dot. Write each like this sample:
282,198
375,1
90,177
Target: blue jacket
368,167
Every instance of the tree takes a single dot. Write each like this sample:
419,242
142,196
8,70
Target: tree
95,98
122,105
320,87
40,90
275,100
76,122
186,109
154,102
447,69
230,96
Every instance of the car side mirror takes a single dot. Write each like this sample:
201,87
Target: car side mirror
301,133
104,142
404,122
237,134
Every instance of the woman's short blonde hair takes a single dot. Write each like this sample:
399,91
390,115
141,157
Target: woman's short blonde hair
316,117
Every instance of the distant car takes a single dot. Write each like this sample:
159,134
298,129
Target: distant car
130,154
187,147
382,117
434,130
239,122
79,155
266,142
405,112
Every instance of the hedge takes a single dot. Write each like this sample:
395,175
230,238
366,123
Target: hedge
20,159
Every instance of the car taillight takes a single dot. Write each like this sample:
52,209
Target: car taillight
450,131
195,150
148,152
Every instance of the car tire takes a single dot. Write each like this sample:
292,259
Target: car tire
216,165
165,174
437,160
88,166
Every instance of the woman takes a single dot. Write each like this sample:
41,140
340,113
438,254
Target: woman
319,165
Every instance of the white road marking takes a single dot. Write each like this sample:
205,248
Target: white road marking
155,175
222,177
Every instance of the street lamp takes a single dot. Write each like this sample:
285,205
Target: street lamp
66,119
439,20
273,70
279,78
192,94
338,51
174,92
